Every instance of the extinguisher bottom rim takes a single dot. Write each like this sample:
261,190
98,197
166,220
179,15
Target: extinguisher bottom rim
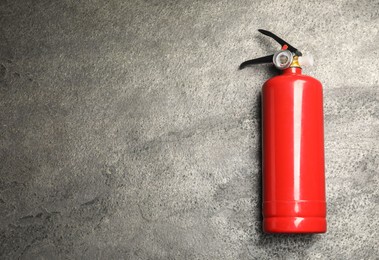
291,225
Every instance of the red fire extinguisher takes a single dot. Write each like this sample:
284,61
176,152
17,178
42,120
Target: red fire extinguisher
293,145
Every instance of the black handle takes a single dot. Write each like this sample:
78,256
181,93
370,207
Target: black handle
281,41
266,59
269,58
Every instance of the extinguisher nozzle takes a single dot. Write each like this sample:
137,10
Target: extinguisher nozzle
306,60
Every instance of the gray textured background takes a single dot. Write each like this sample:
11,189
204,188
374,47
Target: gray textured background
128,132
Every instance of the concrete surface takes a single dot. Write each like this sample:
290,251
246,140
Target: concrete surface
127,131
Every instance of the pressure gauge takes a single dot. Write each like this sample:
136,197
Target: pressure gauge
283,59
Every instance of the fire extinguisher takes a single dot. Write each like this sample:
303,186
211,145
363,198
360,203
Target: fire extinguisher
293,145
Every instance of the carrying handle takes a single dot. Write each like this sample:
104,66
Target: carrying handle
266,59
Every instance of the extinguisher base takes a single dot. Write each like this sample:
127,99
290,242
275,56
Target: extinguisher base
294,225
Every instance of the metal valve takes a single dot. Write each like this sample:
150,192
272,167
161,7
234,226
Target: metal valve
288,56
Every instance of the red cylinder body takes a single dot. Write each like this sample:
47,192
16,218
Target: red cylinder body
293,154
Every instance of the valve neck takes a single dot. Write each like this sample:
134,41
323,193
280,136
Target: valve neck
292,70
